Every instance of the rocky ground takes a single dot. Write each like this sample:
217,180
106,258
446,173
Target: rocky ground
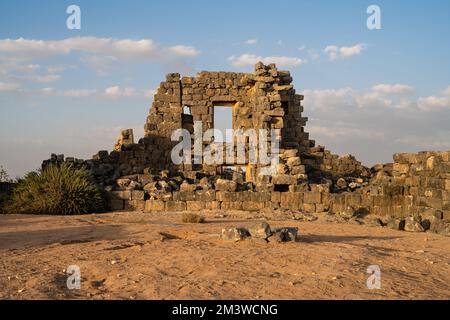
131,255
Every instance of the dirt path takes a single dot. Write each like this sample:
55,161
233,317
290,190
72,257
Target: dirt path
122,256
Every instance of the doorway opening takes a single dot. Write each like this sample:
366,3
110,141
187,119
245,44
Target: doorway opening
223,121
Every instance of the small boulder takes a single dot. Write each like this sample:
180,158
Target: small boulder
284,234
260,230
438,226
413,224
396,224
235,234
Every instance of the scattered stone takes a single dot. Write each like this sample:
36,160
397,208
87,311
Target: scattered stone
396,224
438,226
284,234
413,224
235,234
260,230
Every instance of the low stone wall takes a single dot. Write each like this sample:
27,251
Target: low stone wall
308,201
414,185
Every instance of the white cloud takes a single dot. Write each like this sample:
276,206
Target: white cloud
184,51
4,87
392,89
78,93
251,59
44,78
343,131
379,96
433,102
334,52
113,92
127,49
251,42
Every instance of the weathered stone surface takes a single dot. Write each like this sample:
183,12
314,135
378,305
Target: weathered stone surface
154,205
234,234
284,234
413,224
396,224
225,185
437,225
260,230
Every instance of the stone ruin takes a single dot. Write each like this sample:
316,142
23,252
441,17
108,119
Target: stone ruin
414,191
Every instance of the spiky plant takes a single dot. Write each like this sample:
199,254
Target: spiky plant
57,190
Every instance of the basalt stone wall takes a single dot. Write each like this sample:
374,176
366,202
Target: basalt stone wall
309,178
264,99
414,185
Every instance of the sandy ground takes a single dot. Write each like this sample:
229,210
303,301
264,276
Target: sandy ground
122,256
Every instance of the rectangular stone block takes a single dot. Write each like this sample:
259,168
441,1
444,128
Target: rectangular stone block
291,197
175,206
312,197
252,205
231,205
195,205
381,201
154,205
284,179
133,205
353,199
205,195
261,196
187,196
275,196
212,205
446,215
431,202
226,196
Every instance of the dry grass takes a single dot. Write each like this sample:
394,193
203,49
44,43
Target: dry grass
192,218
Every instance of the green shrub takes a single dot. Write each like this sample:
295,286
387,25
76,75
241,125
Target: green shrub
57,191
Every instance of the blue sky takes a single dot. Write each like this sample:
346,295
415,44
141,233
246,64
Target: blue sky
383,91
